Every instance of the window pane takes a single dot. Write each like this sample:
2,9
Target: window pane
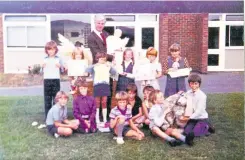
16,37
214,17
120,18
109,30
147,18
127,32
213,37
68,24
36,37
227,35
213,60
236,37
235,18
147,38
25,18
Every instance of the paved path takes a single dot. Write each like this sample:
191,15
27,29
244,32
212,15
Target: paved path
213,82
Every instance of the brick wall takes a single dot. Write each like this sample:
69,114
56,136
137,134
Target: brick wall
1,46
191,32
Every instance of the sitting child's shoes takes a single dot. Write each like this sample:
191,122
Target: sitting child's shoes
211,129
189,139
173,143
56,135
120,140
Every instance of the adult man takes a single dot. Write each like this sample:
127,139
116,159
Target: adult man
97,43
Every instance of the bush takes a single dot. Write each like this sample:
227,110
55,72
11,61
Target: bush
35,69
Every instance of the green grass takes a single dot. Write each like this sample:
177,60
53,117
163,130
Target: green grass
19,140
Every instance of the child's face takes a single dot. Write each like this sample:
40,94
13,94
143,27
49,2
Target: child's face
78,55
83,90
151,58
102,60
128,55
146,94
159,99
122,104
131,95
194,86
175,54
62,101
51,52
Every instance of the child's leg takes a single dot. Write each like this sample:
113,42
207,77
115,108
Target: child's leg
47,96
161,134
186,139
133,134
64,131
119,127
55,88
147,122
104,108
97,99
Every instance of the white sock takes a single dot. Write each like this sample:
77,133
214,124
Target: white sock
104,113
97,115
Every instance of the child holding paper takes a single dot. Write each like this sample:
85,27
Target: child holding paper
173,62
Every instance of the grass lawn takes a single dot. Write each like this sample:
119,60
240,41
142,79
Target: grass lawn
19,140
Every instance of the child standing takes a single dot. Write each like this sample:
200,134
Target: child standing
77,54
125,70
57,122
51,73
174,62
84,108
198,122
121,122
158,122
101,76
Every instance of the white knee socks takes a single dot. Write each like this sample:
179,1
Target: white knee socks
104,113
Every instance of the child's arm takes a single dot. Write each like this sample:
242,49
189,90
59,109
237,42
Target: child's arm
92,116
66,125
145,110
159,70
133,127
113,71
76,112
113,122
200,108
137,115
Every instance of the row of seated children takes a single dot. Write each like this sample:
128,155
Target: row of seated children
124,116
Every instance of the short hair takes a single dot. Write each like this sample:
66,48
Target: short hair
194,78
151,52
100,55
148,88
78,44
131,87
80,83
153,95
60,94
73,55
99,17
128,50
51,45
174,47
122,95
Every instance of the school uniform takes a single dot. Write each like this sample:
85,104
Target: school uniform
84,108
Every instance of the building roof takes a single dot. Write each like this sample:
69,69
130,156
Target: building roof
121,7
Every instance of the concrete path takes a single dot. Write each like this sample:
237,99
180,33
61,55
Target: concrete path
213,82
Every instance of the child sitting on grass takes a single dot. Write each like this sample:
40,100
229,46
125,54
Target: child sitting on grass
57,122
158,122
120,120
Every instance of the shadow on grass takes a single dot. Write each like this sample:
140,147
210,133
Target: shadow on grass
19,140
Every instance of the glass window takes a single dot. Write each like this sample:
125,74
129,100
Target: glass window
25,18
234,35
213,37
147,38
120,18
213,60
147,18
234,18
128,31
214,17
36,36
73,27
16,36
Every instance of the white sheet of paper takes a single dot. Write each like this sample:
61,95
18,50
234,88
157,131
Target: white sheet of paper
180,72
77,67
144,71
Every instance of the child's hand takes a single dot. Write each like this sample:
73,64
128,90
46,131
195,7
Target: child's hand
73,125
87,123
57,65
124,74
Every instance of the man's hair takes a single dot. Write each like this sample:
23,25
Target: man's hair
122,95
194,78
99,17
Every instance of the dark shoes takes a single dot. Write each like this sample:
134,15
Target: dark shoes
189,139
211,128
174,143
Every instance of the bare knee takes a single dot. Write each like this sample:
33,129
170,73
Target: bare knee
67,132
121,120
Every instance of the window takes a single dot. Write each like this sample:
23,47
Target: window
213,38
120,18
213,60
234,18
147,38
214,17
25,18
234,35
73,27
147,18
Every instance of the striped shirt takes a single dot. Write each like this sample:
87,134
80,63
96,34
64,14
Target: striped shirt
116,111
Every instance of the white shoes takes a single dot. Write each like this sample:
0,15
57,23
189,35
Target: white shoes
56,135
120,140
